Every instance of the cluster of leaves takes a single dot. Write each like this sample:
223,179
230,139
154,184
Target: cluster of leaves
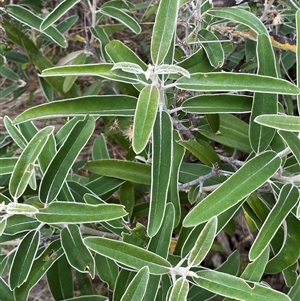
120,218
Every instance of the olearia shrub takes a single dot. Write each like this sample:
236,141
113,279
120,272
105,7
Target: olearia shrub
198,139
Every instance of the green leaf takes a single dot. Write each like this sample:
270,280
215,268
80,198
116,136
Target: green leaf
117,105
203,151
3,223
217,103
7,165
107,270
24,167
99,33
100,150
75,213
119,52
16,208
102,70
122,281
179,290
160,243
32,20
70,80
57,12
127,197
234,287
128,254
61,164
290,274
6,293
255,270
20,223
241,16
233,132
203,243
288,197
14,133
212,47
226,81
163,30
78,256
162,150
23,259
123,17
294,292
261,136
39,268
248,178
293,143
137,287
60,279
280,122
144,117
19,38
120,169
173,192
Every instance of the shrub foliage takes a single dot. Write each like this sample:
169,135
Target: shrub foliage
197,104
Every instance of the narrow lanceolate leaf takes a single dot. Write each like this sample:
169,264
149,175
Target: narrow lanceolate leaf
289,252
247,179
129,255
173,192
241,16
23,259
39,268
3,223
137,287
218,103
24,167
120,169
119,52
78,256
288,197
203,151
261,136
255,269
203,243
60,279
236,288
61,164
75,213
280,122
226,81
212,47
179,290
163,30
123,17
6,293
70,80
160,243
117,105
107,270
294,292
17,208
293,142
32,20
14,133
144,117
7,165
101,70
57,12
162,150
